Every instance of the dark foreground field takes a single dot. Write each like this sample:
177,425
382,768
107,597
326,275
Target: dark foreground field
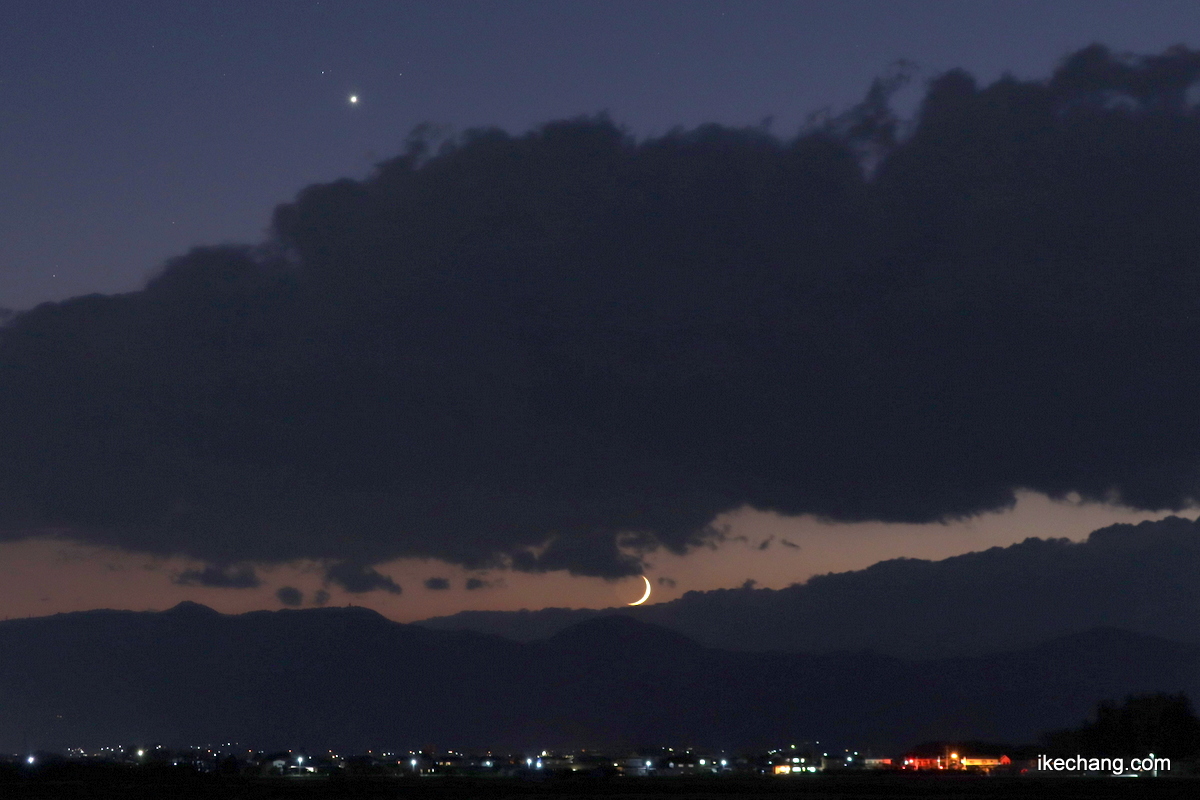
101,785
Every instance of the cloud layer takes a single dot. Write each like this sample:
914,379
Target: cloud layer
561,350
239,577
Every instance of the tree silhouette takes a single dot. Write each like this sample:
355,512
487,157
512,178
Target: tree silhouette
1163,724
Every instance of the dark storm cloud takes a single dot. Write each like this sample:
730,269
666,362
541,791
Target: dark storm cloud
240,577
523,351
290,596
477,583
358,578
437,584
667,582
591,553
792,545
320,597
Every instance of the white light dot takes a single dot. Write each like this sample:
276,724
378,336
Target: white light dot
353,99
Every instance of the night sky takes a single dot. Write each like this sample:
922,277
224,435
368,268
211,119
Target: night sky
137,470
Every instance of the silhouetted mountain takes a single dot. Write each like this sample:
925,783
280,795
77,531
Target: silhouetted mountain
349,678
1144,578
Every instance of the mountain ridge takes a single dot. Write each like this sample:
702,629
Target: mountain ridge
1143,578
354,681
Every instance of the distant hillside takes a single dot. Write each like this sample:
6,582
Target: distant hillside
351,679
1143,578
526,625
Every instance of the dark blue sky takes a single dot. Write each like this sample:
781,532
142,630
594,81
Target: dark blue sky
131,131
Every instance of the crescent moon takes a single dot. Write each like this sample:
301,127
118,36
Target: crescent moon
646,596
